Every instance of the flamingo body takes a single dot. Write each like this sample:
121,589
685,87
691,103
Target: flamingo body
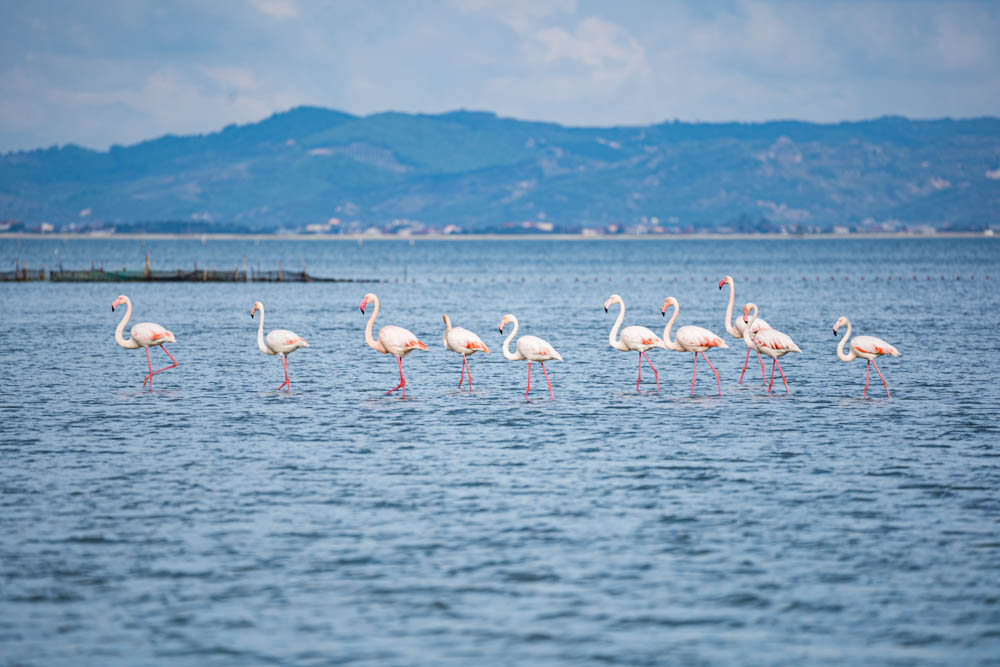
771,342
145,335
633,339
465,343
530,348
279,341
865,347
391,340
690,338
735,328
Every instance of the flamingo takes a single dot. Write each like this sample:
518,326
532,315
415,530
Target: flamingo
866,347
143,334
391,340
735,329
463,341
768,341
691,339
632,338
279,341
531,348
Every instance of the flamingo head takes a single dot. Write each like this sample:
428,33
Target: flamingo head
364,302
614,298
746,311
507,319
839,323
257,305
728,280
669,301
119,301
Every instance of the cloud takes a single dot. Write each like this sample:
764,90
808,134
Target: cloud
277,9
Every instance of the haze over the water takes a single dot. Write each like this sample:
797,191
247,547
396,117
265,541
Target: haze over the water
97,74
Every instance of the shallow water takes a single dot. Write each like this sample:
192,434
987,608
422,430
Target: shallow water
215,520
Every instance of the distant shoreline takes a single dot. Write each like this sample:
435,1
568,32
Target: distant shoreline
488,237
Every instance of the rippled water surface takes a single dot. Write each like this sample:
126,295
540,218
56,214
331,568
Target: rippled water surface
215,520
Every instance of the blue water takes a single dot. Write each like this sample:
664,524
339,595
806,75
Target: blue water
216,521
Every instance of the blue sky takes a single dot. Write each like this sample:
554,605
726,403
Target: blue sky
98,73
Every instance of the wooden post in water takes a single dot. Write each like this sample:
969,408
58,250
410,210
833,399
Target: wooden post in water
279,270
244,268
146,270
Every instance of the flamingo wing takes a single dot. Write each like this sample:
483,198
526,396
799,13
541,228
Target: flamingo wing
698,339
283,341
148,334
775,341
399,341
640,338
536,349
873,346
463,341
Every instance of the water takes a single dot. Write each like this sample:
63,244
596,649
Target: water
215,521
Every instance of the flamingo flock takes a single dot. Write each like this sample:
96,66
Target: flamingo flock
758,336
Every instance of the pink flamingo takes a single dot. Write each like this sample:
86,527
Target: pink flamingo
143,334
279,341
531,348
465,343
391,340
866,347
632,338
735,329
691,339
767,341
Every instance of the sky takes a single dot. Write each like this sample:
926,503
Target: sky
121,71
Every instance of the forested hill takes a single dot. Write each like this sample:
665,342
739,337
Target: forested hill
478,171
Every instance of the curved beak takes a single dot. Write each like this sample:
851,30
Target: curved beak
112,308
363,304
721,283
663,312
605,309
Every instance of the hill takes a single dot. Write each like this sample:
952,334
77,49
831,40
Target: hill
479,171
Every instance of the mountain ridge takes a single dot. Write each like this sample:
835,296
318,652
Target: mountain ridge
478,170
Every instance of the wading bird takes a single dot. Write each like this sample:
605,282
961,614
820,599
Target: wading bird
391,340
691,339
143,334
531,348
463,341
279,341
866,347
767,341
633,339
735,329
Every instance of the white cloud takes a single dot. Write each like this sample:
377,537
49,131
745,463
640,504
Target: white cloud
277,9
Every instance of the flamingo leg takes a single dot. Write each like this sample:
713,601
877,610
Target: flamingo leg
868,373
763,376
287,382
639,379
782,374
717,383
695,376
468,370
745,362
165,368
774,360
150,376
887,395
402,380
529,381
655,374
461,378
551,395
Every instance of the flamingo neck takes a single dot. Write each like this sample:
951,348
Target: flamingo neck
513,356
372,343
730,329
613,339
669,344
260,333
843,341
121,328
747,330
447,328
